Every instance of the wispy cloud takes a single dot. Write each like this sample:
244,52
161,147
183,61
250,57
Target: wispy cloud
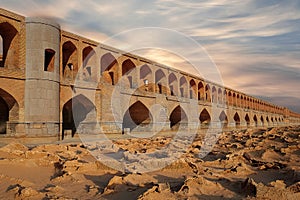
254,43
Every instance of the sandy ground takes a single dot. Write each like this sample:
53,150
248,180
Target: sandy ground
250,164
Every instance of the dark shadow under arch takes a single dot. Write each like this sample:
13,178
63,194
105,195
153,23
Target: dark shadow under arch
74,112
223,119
137,115
9,110
205,117
237,120
177,117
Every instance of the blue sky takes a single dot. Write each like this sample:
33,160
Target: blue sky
254,43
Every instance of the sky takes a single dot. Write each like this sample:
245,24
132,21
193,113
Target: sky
255,44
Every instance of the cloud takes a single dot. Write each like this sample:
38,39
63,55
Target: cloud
254,43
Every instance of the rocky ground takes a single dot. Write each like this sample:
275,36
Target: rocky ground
249,164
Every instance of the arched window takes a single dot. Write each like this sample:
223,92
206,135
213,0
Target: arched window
201,91
9,45
109,66
160,81
173,84
193,89
49,60
205,117
70,59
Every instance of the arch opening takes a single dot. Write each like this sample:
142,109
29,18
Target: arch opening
193,90
183,87
237,120
247,119
201,92
75,111
262,120
127,67
173,85
4,115
70,59
146,78
89,63
49,59
255,120
178,118
160,81
9,45
109,68
223,119
207,93
137,118
9,110
205,118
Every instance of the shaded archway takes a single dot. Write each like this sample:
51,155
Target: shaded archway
109,69
183,87
237,120
137,115
207,93
214,94
247,119
193,89
70,59
262,120
88,63
223,119
177,117
75,111
146,79
127,67
255,120
205,118
9,46
4,115
201,92
173,84
220,97
160,82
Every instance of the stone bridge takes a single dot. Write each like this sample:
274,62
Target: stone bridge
52,82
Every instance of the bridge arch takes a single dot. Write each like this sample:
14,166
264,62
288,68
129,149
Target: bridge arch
201,92
220,96
247,119
9,110
177,116
207,93
69,59
127,67
173,84
205,118
183,87
74,112
9,45
262,120
237,119
214,94
146,79
89,63
223,119
255,120
160,82
193,89
109,69
137,115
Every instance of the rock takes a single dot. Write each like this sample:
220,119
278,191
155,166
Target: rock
249,187
295,187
